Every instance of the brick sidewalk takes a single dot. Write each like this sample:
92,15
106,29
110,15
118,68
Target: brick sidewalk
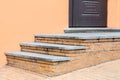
105,71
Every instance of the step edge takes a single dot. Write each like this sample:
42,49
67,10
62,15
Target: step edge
54,46
39,58
79,30
78,37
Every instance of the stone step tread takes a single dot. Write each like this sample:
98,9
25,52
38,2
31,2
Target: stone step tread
45,57
79,30
100,35
54,46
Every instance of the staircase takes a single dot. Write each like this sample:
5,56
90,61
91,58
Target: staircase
56,54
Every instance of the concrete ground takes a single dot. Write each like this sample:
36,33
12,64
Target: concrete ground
105,71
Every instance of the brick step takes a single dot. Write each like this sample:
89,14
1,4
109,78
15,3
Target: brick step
90,30
56,54
78,39
56,65
40,63
53,49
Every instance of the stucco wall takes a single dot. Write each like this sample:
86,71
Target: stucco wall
20,19
114,13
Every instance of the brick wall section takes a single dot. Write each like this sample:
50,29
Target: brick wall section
39,66
92,46
52,69
52,51
74,41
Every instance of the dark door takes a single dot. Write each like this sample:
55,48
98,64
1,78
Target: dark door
88,13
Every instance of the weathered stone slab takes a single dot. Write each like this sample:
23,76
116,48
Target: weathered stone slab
54,46
90,30
100,35
39,56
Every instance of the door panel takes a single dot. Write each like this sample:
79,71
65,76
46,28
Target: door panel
88,13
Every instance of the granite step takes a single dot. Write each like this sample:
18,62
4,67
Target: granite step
78,38
52,46
36,56
39,63
52,49
90,30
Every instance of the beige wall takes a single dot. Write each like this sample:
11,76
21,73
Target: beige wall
20,19
114,13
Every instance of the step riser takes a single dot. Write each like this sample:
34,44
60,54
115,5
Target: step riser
76,42
53,69
39,66
51,51
90,48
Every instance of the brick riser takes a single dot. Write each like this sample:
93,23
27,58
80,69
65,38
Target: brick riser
90,48
58,68
77,42
39,66
52,51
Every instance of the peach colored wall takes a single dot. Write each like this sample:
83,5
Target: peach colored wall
114,13
21,19
118,13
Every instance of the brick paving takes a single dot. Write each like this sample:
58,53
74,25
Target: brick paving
104,71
